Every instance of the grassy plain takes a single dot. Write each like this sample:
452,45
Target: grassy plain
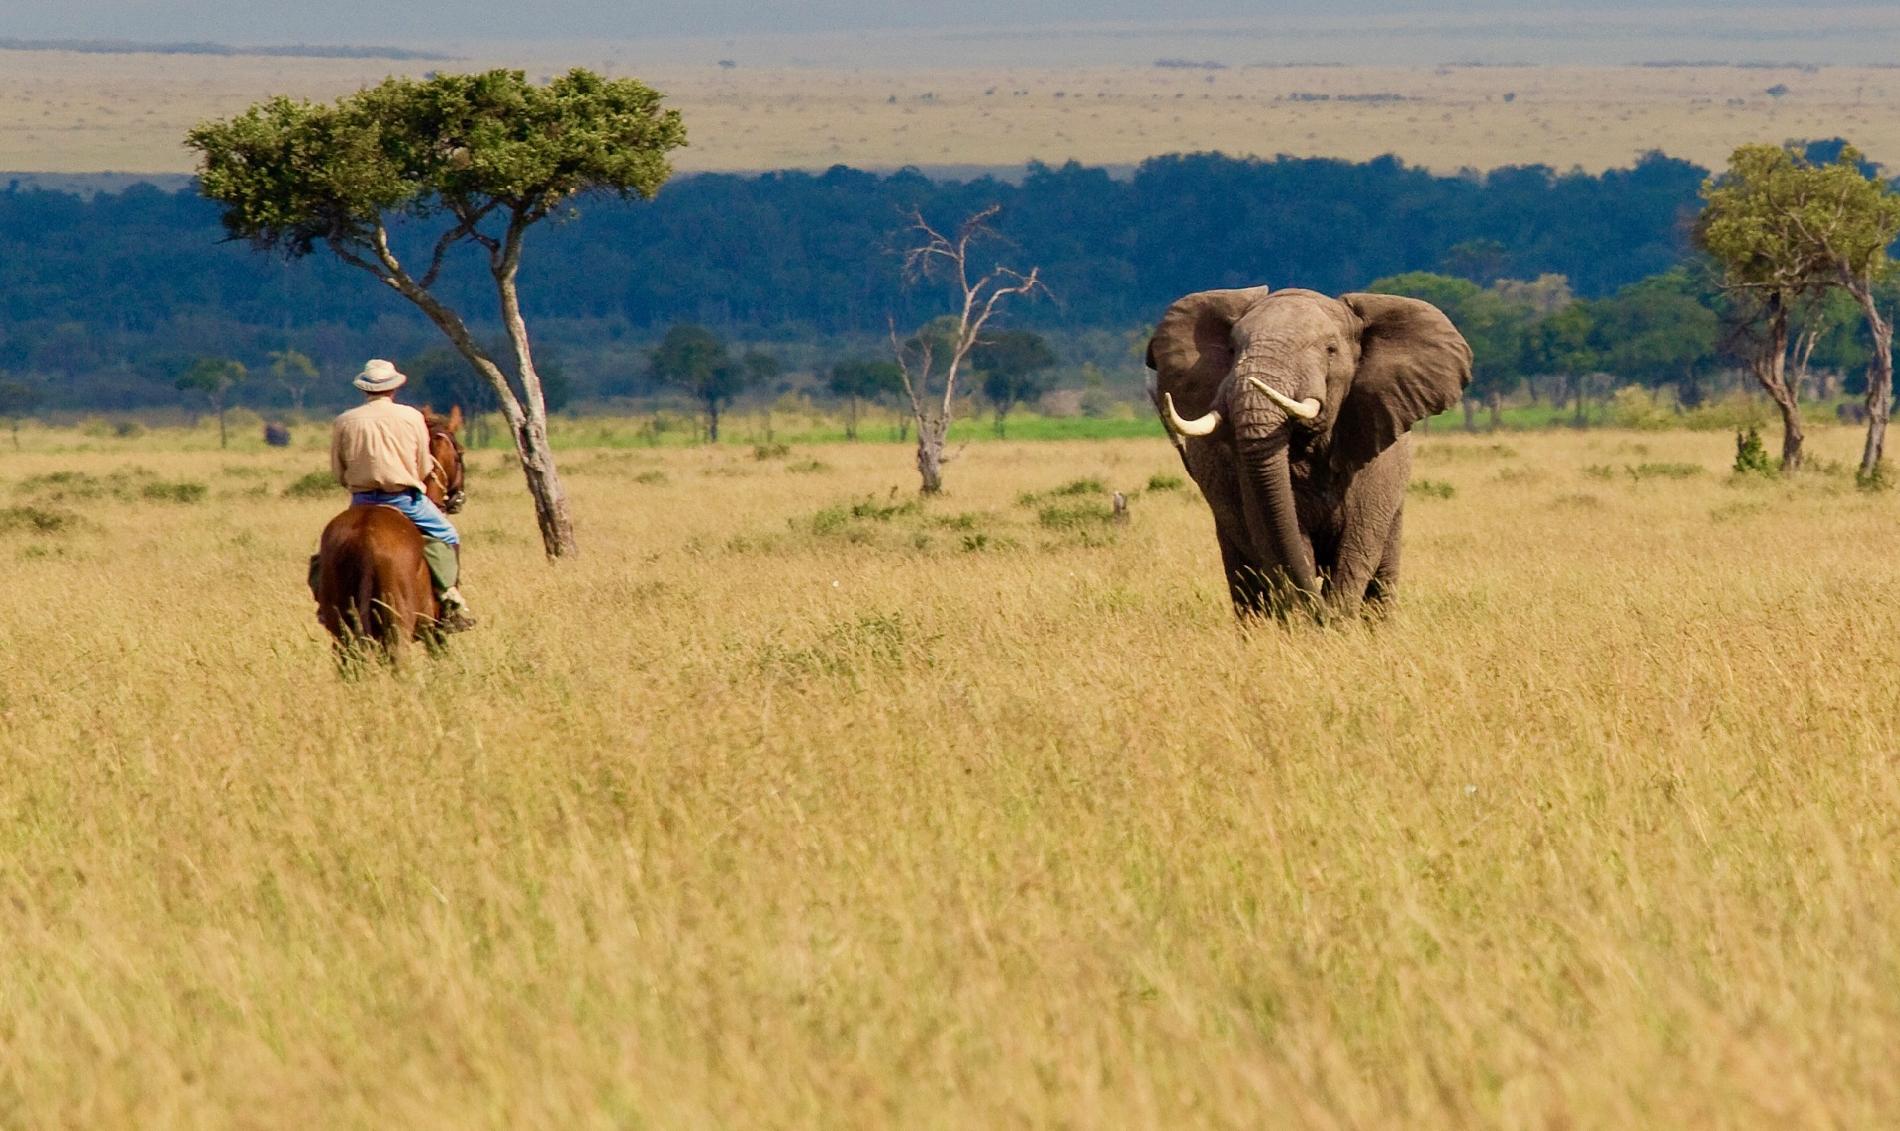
62,112
792,803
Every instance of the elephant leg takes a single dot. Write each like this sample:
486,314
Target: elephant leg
1245,584
1212,468
1367,563
1384,590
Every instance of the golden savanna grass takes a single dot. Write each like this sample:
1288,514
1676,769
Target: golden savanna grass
62,112
765,813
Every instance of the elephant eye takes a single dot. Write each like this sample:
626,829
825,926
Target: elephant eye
1332,347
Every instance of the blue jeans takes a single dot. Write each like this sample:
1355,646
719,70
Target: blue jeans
416,507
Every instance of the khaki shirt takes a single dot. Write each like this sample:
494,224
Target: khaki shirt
381,446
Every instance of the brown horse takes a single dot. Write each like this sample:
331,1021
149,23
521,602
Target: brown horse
371,582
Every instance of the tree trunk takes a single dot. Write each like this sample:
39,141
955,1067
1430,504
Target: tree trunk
1495,403
531,433
930,440
220,408
1770,364
851,419
712,422
1879,384
544,485
1471,414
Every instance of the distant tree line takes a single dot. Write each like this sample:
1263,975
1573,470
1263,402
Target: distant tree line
110,300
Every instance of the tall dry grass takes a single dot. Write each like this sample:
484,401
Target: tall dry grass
768,813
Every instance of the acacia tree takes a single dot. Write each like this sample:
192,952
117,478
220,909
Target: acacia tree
690,358
859,380
1015,366
17,398
215,377
295,372
470,159
1853,237
1784,229
931,362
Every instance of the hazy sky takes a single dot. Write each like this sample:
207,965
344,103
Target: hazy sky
360,21
1315,30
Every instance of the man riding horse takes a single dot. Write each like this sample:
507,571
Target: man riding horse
380,451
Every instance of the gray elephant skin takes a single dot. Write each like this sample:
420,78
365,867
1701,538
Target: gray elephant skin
1292,411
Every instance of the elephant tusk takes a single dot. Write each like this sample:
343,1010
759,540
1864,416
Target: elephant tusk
1200,426
1307,409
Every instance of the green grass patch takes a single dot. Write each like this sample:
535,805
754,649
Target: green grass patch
1641,471
1431,489
1075,516
173,491
1074,488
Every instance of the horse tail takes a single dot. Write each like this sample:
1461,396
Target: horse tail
368,610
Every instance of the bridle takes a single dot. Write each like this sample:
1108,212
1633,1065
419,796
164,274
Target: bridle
453,493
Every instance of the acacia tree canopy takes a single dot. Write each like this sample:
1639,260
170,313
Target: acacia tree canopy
292,173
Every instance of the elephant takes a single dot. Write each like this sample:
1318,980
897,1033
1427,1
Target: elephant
1292,411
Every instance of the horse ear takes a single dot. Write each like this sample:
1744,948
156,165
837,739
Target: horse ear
455,418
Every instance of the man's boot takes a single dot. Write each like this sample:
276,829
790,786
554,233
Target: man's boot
444,570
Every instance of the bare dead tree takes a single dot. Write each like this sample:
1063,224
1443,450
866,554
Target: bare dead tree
930,378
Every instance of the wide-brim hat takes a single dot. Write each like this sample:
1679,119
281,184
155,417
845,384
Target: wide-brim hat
379,376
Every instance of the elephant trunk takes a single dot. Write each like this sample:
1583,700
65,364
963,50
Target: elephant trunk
1267,477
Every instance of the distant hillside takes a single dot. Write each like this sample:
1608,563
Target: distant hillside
290,51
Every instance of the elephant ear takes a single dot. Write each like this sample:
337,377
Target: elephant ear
1413,363
1193,348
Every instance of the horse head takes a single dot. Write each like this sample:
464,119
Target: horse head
446,484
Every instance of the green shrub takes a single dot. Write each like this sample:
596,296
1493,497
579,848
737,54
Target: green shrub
1165,482
315,485
1751,457
1431,489
1635,407
770,451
